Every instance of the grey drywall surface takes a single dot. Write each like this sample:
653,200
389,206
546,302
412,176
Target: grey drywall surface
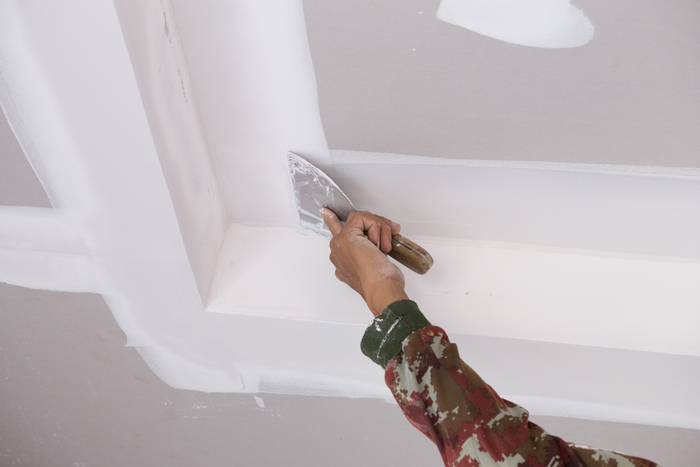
670,447
392,78
19,185
73,394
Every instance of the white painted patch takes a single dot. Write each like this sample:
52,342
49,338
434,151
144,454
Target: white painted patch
553,24
259,401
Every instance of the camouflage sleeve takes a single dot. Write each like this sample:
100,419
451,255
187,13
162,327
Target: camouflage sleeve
449,403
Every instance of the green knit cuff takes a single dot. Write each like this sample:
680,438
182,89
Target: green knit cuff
383,337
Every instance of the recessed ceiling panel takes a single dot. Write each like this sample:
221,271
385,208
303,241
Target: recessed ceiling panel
393,78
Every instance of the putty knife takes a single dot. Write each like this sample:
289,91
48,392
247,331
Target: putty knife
314,190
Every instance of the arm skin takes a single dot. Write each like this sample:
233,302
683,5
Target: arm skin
361,261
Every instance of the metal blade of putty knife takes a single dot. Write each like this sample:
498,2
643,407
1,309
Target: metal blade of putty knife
314,190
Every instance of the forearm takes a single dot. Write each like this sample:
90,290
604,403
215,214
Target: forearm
447,401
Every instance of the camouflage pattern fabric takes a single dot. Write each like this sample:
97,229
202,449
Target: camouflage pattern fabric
470,424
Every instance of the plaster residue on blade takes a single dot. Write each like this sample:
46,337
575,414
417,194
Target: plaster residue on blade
314,190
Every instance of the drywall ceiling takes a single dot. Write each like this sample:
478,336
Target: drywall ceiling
161,143
394,79
73,394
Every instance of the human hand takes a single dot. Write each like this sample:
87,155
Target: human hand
358,252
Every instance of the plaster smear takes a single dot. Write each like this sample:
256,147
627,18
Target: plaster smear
551,24
69,90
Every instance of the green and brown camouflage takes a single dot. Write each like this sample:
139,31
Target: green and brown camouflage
466,419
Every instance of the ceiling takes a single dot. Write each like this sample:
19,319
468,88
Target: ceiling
173,310
393,79
75,395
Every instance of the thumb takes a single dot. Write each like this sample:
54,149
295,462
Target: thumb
331,220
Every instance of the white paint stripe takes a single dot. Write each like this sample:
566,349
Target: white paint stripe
343,157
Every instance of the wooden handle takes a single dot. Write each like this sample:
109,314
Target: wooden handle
410,254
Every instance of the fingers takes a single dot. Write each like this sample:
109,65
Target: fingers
386,236
395,228
378,229
374,231
332,221
379,232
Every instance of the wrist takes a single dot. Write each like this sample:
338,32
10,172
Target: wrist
379,297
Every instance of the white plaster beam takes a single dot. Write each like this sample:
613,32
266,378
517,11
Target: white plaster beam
571,297
650,211
38,250
251,70
170,103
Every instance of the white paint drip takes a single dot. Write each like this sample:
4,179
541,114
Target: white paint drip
536,23
259,401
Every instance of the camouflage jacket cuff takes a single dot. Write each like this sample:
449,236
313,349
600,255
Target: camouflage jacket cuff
383,337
